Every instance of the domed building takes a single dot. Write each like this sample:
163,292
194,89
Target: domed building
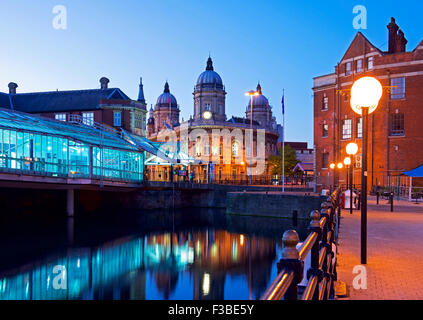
209,95
262,111
166,112
220,158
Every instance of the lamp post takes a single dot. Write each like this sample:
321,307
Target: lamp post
347,164
251,94
335,166
365,95
351,149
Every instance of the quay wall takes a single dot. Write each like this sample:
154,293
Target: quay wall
272,205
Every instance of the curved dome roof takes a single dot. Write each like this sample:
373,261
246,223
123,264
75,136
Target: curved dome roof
259,100
210,77
163,99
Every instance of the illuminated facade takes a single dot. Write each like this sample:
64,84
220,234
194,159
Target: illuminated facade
223,158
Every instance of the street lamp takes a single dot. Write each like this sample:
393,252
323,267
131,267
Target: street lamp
334,166
251,94
351,149
347,163
365,95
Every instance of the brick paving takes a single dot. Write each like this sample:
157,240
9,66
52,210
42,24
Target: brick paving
394,252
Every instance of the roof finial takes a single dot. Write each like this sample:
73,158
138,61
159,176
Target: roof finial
209,64
258,88
166,88
141,92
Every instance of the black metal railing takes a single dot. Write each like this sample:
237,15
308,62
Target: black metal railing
322,272
235,179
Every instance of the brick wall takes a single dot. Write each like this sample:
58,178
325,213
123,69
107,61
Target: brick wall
387,154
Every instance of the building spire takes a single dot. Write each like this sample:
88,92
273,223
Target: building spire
209,64
166,88
141,92
258,89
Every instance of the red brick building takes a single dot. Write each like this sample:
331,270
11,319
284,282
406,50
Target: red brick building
109,107
395,129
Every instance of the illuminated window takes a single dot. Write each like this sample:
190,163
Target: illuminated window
60,116
370,63
88,118
235,149
346,129
117,118
396,124
348,68
359,127
207,149
398,88
359,65
325,102
325,130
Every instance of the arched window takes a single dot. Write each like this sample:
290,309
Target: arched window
207,149
235,149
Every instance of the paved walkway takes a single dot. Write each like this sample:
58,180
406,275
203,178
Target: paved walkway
394,252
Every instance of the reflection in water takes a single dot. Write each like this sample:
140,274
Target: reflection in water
190,263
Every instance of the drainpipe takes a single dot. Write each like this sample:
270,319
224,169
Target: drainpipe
336,124
388,164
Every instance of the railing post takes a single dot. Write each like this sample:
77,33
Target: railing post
291,262
314,270
328,213
391,200
330,268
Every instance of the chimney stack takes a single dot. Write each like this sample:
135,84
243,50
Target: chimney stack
401,41
397,41
393,29
104,83
12,88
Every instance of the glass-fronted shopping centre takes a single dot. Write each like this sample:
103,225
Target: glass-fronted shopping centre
39,146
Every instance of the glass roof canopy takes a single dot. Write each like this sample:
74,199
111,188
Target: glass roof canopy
162,153
90,135
79,132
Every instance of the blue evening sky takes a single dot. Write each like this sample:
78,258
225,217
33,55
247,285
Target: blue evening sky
282,44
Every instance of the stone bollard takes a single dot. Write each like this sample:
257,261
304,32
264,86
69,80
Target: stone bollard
391,200
290,261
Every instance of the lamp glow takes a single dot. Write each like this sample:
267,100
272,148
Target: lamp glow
340,165
352,148
365,93
207,115
332,166
252,93
347,161
206,284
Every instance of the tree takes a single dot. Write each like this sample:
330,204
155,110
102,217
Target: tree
275,161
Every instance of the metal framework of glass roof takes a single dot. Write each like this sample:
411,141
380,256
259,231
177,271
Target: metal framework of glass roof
78,132
165,153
